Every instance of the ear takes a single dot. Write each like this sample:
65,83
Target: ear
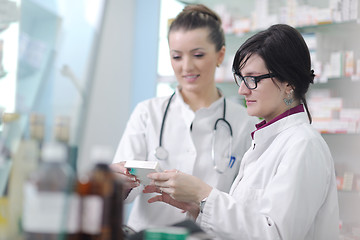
221,55
289,88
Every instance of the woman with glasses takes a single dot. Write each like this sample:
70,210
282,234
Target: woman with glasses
286,185
177,131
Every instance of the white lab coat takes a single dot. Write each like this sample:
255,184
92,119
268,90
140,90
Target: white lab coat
189,151
285,189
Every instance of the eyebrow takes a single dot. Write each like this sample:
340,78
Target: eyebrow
193,50
252,73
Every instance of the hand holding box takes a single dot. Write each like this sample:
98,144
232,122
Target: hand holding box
142,168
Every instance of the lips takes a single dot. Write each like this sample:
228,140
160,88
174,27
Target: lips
250,101
191,78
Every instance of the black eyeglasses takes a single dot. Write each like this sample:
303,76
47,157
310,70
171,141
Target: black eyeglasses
251,81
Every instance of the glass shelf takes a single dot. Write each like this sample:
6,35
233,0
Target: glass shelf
305,28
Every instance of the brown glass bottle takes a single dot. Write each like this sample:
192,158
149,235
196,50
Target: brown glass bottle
101,205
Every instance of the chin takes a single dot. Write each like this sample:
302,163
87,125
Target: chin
251,112
191,87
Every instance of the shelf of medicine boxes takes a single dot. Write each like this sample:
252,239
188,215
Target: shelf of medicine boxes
342,91
234,40
335,106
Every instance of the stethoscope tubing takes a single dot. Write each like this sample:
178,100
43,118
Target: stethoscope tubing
163,120
162,154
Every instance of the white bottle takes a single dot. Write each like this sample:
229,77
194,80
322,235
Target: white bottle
51,208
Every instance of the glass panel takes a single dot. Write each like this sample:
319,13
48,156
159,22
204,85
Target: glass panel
56,41
9,34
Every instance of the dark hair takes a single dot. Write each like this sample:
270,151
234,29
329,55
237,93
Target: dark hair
285,54
199,16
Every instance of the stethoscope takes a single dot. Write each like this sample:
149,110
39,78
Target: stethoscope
162,154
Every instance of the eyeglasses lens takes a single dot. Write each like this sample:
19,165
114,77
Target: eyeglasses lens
249,81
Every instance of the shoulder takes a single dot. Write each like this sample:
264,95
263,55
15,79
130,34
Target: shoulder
304,148
152,108
152,104
305,132
155,101
306,138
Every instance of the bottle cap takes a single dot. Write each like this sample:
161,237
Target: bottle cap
54,152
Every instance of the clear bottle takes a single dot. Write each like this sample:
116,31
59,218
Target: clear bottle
51,207
101,200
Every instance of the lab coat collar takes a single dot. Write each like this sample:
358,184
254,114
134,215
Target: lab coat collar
188,114
180,100
297,109
264,134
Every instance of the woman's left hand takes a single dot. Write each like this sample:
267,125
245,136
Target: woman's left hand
192,208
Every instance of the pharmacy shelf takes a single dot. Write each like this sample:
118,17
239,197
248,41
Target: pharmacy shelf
345,25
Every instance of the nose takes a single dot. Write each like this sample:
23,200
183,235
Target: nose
243,90
188,64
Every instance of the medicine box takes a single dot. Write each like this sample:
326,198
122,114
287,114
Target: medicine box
142,168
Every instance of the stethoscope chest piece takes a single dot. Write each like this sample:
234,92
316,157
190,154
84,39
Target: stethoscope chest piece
161,153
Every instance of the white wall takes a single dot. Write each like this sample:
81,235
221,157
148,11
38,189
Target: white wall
124,73
108,105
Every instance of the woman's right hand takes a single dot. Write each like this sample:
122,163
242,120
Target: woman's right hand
180,186
130,181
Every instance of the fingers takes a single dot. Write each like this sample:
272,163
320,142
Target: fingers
130,180
119,168
151,189
159,176
154,189
163,176
157,198
162,182
132,184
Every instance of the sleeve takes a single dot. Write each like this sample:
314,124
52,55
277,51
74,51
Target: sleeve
284,209
133,143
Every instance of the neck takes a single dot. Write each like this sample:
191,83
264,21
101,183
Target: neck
200,100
